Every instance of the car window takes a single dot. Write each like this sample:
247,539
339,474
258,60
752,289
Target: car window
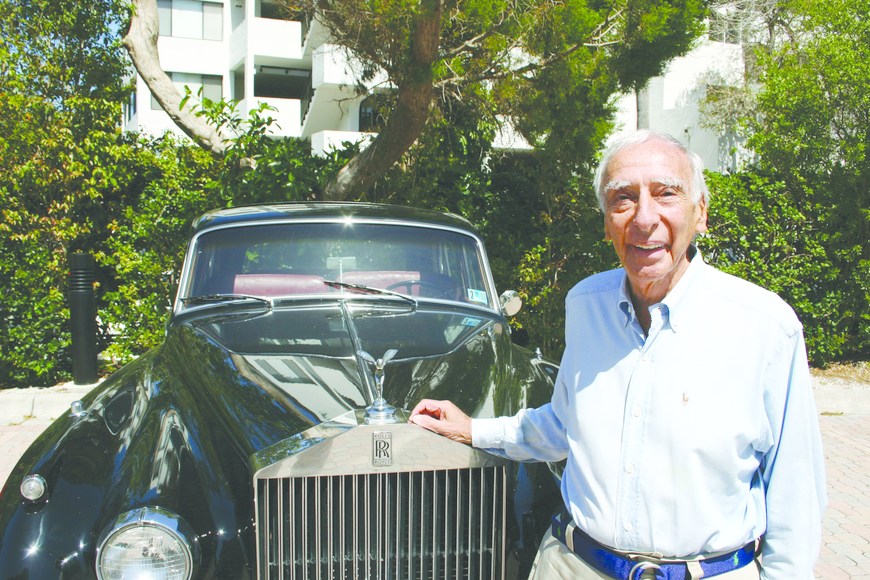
298,259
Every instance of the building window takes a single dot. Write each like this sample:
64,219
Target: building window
191,19
164,12
130,106
201,87
212,87
272,10
212,21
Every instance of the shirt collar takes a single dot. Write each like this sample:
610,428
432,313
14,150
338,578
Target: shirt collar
675,297
624,301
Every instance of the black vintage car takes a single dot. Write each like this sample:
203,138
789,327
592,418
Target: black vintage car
267,438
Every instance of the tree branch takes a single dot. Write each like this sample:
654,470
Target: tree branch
141,43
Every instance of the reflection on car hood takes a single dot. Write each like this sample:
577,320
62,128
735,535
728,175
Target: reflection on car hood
302,361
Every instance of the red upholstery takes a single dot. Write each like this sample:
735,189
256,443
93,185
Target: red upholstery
381,279
279,284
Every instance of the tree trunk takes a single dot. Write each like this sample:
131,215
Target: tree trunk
407,118
141,43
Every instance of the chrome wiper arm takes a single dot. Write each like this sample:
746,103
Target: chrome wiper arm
371,290
226,298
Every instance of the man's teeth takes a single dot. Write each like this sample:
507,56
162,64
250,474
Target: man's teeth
643,247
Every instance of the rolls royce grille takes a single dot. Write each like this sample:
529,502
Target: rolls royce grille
431,525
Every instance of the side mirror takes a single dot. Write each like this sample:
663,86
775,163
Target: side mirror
510,302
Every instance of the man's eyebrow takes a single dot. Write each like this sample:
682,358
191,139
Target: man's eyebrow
614,185
662,181
671,182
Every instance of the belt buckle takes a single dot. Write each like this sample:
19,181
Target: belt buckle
642,566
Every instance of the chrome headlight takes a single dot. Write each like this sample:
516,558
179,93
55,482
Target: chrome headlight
33,487
148,542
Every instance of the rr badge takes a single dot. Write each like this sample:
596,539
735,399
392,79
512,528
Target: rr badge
382,448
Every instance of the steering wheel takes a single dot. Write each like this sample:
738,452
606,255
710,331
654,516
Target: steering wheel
440,290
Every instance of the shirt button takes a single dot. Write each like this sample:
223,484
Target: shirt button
644,357
627,526
629,468
636,412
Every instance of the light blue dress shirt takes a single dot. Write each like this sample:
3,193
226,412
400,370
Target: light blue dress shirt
694,439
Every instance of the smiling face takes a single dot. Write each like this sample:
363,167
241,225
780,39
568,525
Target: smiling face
651,216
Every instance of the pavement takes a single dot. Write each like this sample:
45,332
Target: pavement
844,416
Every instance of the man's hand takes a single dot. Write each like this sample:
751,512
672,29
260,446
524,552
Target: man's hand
444,418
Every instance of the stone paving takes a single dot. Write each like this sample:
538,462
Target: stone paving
845,551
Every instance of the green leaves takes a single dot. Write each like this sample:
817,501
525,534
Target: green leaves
798,221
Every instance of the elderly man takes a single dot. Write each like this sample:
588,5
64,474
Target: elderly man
683,403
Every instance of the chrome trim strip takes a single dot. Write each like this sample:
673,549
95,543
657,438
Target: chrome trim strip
305,541
317,525
293,516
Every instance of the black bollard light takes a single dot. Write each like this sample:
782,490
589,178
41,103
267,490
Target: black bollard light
83,318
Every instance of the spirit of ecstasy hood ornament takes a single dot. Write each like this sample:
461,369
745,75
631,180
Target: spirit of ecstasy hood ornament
379,411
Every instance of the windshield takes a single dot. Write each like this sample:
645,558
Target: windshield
301,259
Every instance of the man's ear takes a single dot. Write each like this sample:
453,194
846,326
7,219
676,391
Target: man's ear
607,237
701,224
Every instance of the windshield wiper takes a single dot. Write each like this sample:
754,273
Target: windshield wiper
225,298
371,290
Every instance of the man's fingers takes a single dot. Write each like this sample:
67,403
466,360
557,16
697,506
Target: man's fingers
430,408
444,418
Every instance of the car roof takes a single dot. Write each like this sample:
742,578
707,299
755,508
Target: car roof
324,211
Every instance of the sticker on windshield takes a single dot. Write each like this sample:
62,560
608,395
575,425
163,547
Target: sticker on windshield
477,295
468,321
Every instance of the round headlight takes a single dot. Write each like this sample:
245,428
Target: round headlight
33,487
148,543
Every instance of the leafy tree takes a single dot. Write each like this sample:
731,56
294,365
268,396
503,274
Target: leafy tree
810,133
256,168
61,73
60,50
146,240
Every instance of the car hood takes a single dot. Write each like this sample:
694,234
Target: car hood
277,373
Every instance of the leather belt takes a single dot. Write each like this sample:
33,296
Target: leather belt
622,567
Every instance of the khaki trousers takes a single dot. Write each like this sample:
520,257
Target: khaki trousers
555,562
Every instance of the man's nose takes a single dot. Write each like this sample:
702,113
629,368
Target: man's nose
646,216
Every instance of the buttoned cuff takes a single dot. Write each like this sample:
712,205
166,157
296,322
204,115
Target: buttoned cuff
487,433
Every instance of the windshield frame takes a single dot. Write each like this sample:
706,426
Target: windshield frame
185,281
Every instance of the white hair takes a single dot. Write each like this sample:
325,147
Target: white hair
697,187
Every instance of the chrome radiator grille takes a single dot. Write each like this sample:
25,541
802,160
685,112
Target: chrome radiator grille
446,524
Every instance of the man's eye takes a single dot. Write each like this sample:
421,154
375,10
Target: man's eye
668,194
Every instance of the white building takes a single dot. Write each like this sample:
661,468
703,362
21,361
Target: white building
249,51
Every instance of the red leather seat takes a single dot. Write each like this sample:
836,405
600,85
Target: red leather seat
279,284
